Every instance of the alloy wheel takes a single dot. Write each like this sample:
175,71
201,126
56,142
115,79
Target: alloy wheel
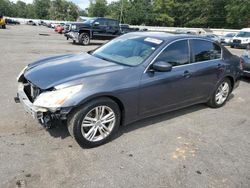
98,123
85,39
222,93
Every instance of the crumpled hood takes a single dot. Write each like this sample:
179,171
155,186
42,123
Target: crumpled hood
50,72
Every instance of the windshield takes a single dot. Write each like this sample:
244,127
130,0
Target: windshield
230,35
243,34
129,51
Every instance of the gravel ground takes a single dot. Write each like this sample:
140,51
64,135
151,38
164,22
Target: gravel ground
193,147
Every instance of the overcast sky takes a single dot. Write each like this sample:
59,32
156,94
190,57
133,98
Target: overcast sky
81,3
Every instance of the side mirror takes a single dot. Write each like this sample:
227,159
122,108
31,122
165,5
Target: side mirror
96,24
162,66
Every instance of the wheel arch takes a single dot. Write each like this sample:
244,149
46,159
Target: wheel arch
85,31
231,80
112,97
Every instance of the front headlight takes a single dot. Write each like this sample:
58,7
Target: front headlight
245,40
55,99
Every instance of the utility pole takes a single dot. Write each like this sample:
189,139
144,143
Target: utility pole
121,14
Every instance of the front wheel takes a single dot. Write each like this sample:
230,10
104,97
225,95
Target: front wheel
94,123
84,39
221,94
248,47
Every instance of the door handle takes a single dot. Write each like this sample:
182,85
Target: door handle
187,74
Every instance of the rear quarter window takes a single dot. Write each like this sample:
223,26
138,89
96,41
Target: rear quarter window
205,50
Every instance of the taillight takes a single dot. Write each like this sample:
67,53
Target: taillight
241,64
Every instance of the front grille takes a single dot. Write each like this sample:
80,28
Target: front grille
236,41
31,91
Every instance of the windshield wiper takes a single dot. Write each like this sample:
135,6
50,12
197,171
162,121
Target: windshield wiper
104,58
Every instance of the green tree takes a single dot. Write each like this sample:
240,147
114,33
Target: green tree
6,7
30,9
119,10
198,13
163,12
140,12
63,10
20,9
41,8
98,8
238,13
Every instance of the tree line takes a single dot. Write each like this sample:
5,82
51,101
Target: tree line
176,13
41,9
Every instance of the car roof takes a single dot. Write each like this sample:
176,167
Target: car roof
245,29
167,36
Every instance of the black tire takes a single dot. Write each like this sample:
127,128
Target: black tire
84,38
77,116
4,26
212,101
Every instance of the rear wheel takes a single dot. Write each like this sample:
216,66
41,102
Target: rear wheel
84,39
221,94
94,123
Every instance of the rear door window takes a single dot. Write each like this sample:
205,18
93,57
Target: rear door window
113,23
175,54
205,50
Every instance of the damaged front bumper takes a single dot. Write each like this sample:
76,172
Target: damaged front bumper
74,36
44,116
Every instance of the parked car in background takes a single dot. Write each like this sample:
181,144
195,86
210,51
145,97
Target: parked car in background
245,61
134,76
31,22
59,28
53,25
213,37
2,22
241,39
12,22
186,31
125,28
227,39
94,28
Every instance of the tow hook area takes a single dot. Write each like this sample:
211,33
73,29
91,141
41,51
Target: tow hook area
45,121
50,119
16,99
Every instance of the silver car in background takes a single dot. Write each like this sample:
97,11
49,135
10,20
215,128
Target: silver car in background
227,39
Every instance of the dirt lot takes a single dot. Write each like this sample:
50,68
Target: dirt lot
194,147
